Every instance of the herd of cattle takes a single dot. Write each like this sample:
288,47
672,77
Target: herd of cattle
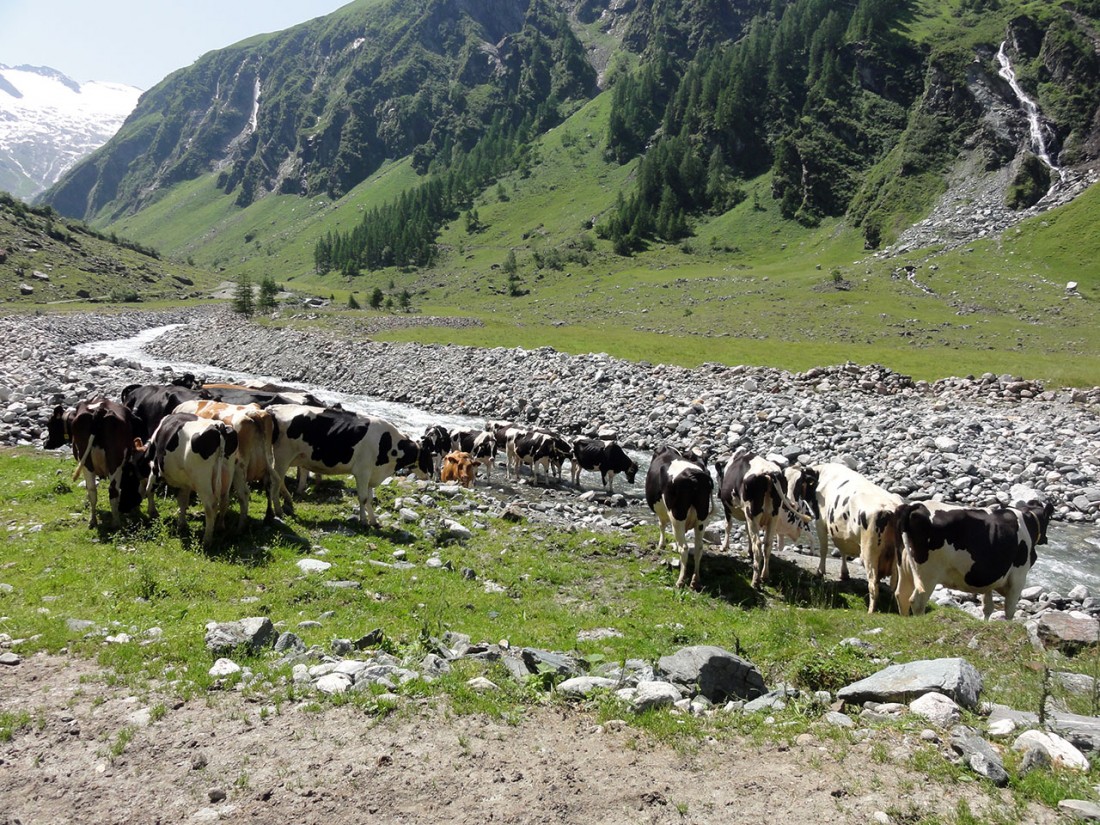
213,440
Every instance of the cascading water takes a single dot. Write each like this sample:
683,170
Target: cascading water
1031,109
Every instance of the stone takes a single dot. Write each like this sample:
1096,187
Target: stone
715,673
542,661
481,684
955,678
9,658
289,642
255,633
224,667
313,565
838,719
1069,632
938,709
333,683
978,755
1061,752
649,695
581,687
1081,809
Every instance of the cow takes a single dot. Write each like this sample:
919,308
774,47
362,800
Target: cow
255,430
104,436
605,456
862,519
151,402
192,454
539,449
336,442
754,489
678,489
480,444
975,549
460,467
262,394
437,441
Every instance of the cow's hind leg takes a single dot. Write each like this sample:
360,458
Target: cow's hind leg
679,532
90,489
696,582
183,497
366,507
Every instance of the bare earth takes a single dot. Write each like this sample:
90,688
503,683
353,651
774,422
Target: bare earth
421,765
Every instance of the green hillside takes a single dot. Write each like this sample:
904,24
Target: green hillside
46,259
718,202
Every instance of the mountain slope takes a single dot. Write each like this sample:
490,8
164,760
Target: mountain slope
48,122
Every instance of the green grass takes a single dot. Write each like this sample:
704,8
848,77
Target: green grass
552,585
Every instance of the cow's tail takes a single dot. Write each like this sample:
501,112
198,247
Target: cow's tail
80,463
223,466
789,503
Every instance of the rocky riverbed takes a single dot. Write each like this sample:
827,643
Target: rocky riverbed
976,440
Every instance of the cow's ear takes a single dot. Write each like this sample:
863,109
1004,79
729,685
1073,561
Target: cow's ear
139,446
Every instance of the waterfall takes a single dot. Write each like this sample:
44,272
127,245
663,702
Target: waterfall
1031,109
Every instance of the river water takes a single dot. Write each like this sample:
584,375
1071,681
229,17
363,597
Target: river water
1071,556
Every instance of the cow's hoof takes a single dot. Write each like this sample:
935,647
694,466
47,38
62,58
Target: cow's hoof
696,585
845,576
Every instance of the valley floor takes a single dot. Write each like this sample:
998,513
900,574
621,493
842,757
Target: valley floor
73,763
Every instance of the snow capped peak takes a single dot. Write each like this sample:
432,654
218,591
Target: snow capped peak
48,122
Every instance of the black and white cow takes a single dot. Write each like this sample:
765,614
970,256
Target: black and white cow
975,549
437,442
539,449
335,442
605,457
862,519
192,454
754,489
480,444
151,402
104,436
678,489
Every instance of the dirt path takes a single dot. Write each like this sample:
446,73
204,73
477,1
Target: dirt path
421,765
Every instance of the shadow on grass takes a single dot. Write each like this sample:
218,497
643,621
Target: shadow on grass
729,578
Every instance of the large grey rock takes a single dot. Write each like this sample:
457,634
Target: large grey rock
956,678
255,633
1081,809
1061,752
1069,632
713,672
978,754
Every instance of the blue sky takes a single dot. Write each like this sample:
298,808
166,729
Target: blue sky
138,42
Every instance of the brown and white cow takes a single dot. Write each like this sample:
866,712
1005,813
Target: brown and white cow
678,490
974,549
255,430
192,454
104,439
336,442
459,467
754,489
862,519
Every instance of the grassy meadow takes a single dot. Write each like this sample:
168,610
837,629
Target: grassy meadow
160,589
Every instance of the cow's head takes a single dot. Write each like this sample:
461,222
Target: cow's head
1037,517
135,476
57,429
415,457
631,471
802,487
